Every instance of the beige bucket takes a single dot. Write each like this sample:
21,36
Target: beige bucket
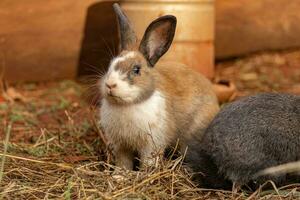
194,39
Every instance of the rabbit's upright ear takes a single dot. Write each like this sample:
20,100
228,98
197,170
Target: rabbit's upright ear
158,38
128,38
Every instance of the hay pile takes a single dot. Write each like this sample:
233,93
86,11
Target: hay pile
28,177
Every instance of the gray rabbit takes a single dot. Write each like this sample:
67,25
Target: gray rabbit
245,137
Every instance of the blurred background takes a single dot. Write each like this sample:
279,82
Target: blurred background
243,46
50,40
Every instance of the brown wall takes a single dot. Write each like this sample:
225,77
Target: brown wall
42,40
52,39
245,26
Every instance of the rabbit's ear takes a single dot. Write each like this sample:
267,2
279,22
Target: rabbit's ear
128,38
158,38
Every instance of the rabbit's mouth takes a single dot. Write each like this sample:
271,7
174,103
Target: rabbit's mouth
115,99
111,95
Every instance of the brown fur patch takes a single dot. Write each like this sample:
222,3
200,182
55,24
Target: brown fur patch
191,102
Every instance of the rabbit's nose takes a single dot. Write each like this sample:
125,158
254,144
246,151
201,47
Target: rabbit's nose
110,85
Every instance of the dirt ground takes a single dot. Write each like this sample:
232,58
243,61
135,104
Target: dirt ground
53,148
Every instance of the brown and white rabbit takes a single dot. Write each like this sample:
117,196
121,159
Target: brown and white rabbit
147,107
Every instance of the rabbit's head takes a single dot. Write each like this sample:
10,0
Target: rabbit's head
131,77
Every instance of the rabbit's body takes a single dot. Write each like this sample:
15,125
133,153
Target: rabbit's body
247,136
145,107
174,111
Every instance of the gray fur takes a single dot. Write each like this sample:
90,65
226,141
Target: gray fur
126,33
247,136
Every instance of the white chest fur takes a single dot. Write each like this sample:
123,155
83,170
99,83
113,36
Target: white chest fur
136,124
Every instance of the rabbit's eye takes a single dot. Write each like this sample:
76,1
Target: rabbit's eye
136,69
